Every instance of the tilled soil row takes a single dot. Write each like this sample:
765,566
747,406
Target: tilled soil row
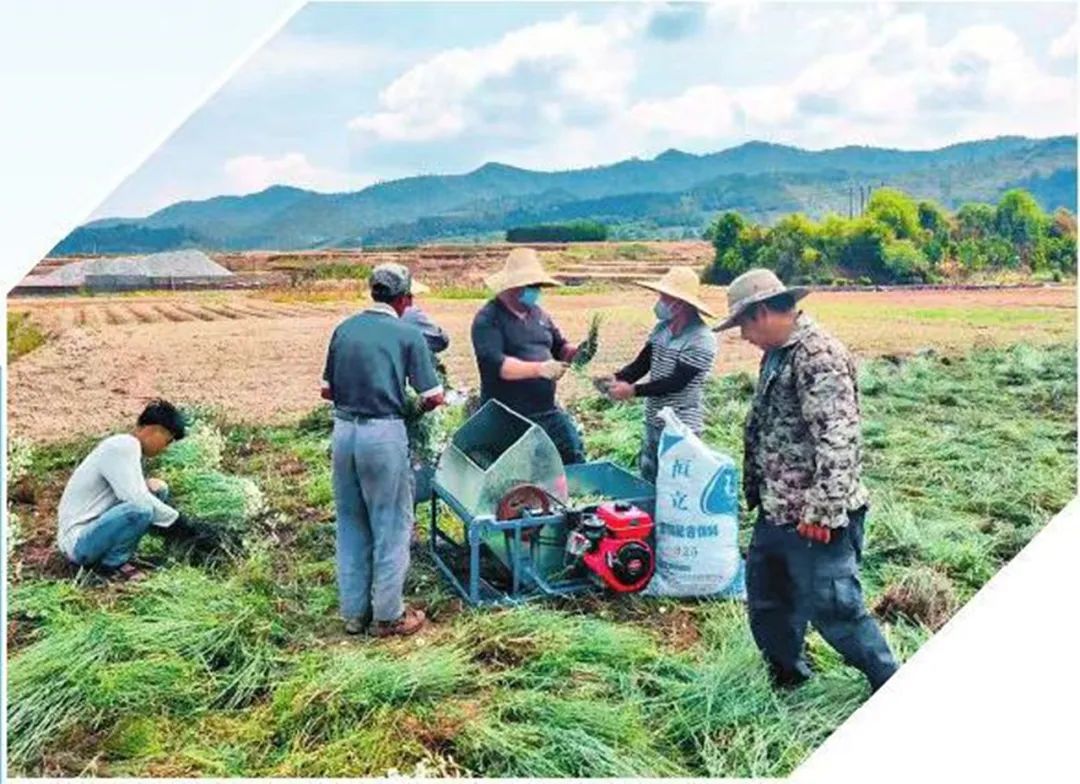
57,318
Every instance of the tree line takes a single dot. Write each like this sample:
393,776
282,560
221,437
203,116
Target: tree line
574,231
899,239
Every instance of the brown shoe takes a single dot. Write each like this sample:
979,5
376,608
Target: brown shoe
128,573
410,622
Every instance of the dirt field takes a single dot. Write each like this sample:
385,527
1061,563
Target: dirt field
261,361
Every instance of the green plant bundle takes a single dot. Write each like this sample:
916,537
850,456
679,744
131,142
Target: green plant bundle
186,640
229,502
200,450
47,605
430,432
588,348
546,649
329,695
419,428
587,500
532,734
202,491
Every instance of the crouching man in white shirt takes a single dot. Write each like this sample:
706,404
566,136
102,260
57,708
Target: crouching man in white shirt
108,506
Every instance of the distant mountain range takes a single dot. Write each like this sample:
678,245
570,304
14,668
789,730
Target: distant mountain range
675,194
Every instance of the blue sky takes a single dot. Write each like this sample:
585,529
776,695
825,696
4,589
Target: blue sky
347,94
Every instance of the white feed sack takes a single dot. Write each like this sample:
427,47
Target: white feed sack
697,518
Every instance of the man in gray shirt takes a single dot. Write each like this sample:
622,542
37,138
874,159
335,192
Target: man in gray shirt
371,357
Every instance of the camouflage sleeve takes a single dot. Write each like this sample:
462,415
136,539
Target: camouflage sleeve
830,409
751,479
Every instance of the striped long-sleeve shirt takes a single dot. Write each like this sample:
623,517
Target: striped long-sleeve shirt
694,347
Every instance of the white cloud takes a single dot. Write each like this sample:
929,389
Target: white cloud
525,85
252,173
1064,46
896,88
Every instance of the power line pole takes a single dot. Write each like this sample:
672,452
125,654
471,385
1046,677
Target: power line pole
850,201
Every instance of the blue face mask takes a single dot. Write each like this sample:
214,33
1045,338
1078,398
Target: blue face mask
663,311
530,296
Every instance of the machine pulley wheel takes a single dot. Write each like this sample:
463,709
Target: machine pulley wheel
519,498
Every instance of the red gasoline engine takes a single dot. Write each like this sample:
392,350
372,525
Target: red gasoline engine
612,544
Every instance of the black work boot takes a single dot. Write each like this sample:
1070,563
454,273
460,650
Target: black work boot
787,678
358,625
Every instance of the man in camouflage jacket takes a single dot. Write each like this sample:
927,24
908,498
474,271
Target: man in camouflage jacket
802,462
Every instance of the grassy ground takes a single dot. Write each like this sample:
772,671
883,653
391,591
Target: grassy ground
23,335
237,666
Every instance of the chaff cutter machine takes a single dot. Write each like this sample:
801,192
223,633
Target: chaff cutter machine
523,526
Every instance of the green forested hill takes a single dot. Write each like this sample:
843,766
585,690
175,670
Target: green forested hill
675,193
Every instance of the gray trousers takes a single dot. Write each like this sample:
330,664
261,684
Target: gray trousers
792,581
649,457
648,460
373,499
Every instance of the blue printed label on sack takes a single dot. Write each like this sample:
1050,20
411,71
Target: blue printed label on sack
668,440
720,495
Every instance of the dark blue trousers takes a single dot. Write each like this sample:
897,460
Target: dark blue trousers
562,430
792,581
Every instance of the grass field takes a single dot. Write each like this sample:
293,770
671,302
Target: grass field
227,665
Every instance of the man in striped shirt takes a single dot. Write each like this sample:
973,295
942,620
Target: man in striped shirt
677,357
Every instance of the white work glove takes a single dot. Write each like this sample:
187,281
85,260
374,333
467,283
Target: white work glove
552,369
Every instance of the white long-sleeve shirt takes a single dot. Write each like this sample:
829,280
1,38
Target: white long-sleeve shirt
111,474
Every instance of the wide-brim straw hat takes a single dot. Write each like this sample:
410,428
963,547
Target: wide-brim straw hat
522,268
752,287
682,283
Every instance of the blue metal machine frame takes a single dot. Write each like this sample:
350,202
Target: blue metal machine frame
525,583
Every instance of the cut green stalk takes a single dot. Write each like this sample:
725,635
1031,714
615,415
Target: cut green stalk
588,348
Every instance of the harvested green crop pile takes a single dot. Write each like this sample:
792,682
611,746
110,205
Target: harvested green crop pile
239,668
221,504
184,642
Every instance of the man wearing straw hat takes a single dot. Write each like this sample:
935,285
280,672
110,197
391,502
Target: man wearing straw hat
371,357
801,471
521,353
677,357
